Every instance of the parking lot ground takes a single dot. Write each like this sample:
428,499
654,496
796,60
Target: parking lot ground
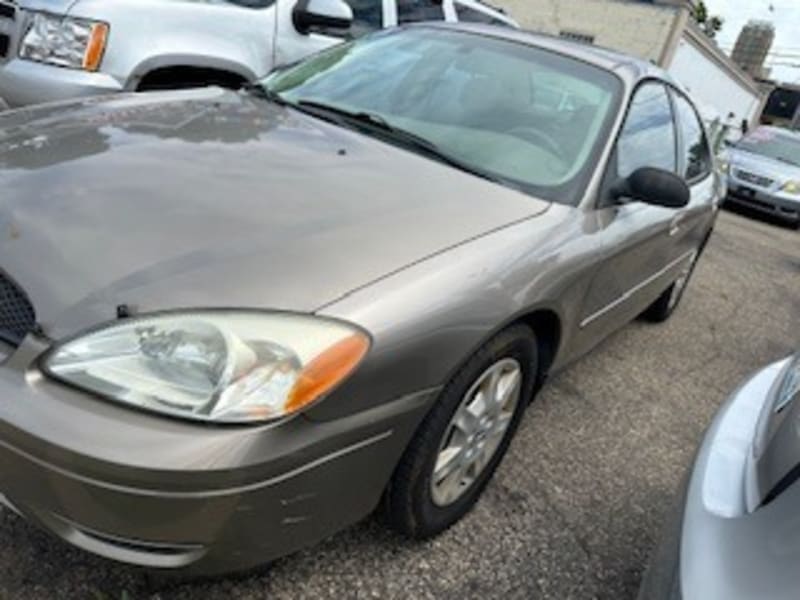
578,503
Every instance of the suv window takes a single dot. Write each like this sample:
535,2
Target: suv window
367,17
697,157
648,137
467,14
411,11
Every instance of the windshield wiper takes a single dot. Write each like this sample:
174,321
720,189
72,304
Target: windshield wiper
329,109
406,138
262,91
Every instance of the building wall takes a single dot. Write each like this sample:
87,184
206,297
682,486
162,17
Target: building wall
714,82
637,28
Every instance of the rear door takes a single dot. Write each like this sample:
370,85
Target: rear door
469,11
634,237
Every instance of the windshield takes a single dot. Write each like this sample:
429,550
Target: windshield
773,144
529,118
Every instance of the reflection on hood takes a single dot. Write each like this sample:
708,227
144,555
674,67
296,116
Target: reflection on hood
28,143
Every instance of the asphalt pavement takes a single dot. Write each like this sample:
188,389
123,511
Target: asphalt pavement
578,503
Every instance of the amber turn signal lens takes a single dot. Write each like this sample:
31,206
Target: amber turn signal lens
96,47
326,371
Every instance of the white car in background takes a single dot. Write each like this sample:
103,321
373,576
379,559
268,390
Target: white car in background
58,49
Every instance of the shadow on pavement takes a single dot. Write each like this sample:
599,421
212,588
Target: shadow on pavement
757,215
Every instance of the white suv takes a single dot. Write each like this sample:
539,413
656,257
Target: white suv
58,49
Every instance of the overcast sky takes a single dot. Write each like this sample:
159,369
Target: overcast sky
785,14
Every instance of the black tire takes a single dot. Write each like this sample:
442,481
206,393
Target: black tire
667,303
409,505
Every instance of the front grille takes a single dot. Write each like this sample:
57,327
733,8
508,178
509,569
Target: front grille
758,180
17,317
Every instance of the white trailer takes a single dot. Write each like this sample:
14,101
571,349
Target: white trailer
723,90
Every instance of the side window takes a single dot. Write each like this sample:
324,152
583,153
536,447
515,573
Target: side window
467,14
648,137
412,11
696,155
367,17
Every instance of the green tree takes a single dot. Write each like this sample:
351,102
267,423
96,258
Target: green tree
710,24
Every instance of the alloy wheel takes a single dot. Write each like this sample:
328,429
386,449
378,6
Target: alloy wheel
476,430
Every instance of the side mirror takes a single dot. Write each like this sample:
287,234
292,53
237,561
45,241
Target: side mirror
654,186
335,14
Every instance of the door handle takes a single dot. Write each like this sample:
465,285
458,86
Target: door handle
675,224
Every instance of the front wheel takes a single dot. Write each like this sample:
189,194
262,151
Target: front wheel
463,439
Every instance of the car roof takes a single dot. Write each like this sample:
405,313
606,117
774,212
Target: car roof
628,67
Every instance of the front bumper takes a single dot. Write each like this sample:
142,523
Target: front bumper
778,204
24,82
715,548
183,497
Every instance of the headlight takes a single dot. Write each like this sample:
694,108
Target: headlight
791,187
724,166
790,386
221,366
65,42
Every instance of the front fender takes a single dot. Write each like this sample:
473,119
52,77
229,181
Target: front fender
153,34
426,319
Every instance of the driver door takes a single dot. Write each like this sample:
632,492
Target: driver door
633,237
291,45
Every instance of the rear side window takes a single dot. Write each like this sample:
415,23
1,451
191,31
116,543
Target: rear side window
696,155
367,16
468,14
648,138
412,11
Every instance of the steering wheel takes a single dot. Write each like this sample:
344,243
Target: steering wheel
539,138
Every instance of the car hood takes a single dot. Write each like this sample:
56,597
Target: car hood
210,198
763,165
776,448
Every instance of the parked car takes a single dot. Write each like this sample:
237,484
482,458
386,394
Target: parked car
764,173
60,49
236,320
735,534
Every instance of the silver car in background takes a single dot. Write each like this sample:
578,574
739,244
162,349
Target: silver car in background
736,533
59,49
764,173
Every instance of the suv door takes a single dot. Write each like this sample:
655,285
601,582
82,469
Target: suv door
633,237
690,226
292,45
